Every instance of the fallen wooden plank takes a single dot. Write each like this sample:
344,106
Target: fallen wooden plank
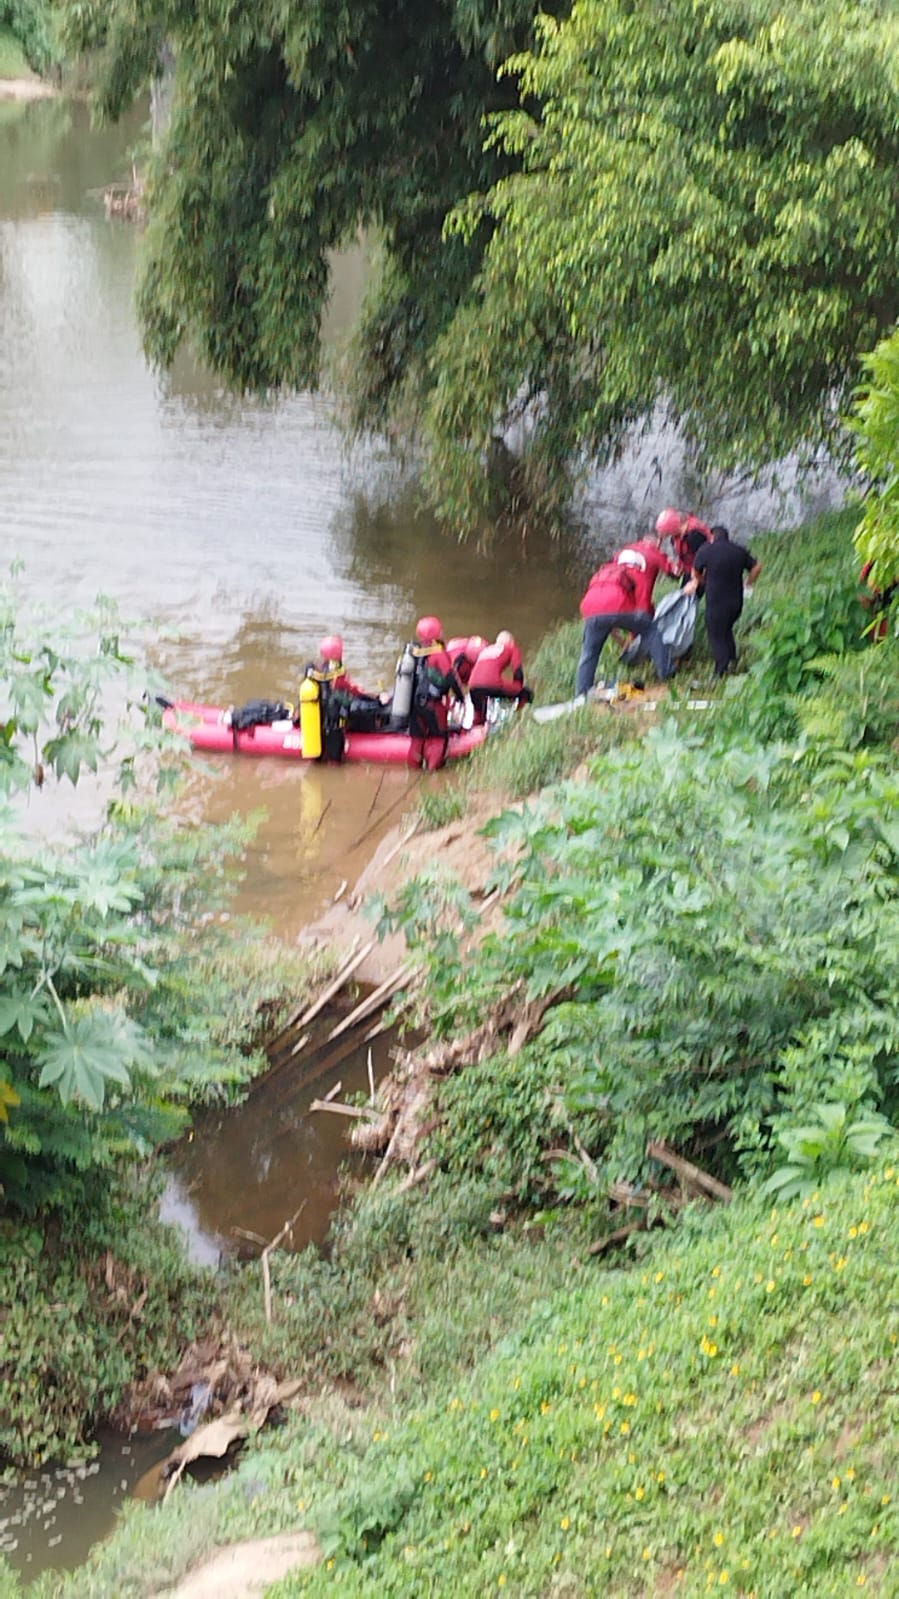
688,1173
619,1236
374,1001
343,976
419,1175
337,1108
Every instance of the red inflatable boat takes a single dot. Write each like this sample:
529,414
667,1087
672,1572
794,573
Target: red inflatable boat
208,728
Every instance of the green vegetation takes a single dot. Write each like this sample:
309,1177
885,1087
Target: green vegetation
724,1409
370,121
876,426
123,1001
13,62
27,41
698,945
92,1297
693,195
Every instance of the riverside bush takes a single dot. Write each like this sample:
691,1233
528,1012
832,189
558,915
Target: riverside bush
123,1000
101,1295
708,965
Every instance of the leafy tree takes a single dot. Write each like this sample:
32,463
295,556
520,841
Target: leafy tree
706,218
30,21
292,127
875,422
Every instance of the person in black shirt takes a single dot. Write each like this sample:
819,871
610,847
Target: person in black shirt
723,566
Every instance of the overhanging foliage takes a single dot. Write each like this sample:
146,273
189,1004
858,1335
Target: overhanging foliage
706,219
293,127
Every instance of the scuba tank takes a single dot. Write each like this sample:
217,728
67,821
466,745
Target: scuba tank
311,717
401,705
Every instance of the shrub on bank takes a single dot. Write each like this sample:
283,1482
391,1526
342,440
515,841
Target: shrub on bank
92,1300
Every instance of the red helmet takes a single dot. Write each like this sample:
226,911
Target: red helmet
668,522
428,629
474,647
331,648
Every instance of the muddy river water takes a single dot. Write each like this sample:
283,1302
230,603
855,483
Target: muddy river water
244,530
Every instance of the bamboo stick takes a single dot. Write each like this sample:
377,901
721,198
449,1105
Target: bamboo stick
387,1156
374,1000
419,1175
401,844
364,1112
266,1273
346,971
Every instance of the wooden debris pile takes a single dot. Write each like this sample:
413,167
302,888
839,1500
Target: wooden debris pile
405,1102
216,1396
656,1203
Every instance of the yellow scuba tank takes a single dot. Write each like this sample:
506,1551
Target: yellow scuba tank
311,718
